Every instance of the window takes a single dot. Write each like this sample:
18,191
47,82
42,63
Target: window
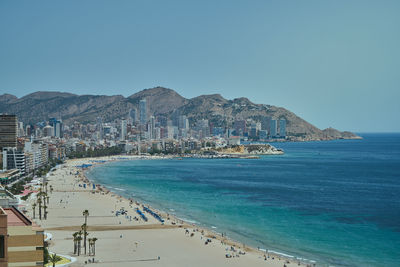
2,246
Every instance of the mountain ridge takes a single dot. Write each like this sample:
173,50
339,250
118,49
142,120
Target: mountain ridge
161,101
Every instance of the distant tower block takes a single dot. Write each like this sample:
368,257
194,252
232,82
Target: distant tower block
143,111
123,130
8,130
273,128
282,128
132,115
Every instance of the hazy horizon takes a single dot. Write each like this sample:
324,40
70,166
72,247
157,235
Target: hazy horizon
335,64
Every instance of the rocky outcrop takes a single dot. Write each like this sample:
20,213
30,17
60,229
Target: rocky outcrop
262,149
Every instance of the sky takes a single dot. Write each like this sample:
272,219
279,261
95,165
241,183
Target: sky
333,63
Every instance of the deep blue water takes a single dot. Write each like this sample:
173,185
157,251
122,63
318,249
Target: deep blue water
336,202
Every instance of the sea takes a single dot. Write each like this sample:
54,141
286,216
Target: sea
333,202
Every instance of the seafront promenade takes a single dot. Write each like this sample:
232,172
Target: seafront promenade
123,240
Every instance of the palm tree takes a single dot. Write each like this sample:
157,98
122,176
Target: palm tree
45,212
85,234
39,201
85,213
75,235
94,239
79,239
90,246
54,258
43,195
34,208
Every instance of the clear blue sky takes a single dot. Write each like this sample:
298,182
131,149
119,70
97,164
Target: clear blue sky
334,63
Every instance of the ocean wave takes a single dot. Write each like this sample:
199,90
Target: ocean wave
188,221
119,189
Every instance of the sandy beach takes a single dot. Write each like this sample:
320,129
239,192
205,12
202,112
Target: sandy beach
124,241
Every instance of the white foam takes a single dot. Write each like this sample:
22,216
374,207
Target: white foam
188,221
214,227
280,253
119,189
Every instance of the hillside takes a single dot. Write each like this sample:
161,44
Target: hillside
41,106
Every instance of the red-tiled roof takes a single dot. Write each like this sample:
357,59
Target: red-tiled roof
15,218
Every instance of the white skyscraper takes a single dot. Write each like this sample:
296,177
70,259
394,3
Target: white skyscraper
123,129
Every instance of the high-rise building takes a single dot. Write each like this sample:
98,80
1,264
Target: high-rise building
58,129
123,129
266,123
253,130
182,122
21,131
273,128
48,130
175,117
132,115
282,128
240,127
8,131
99,127
143,111
152,126
13,159
28,130
263,134
205,128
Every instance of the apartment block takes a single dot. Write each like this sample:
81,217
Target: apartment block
21,242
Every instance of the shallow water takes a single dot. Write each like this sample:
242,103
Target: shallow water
336,202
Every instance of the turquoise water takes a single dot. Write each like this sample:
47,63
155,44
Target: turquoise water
335,202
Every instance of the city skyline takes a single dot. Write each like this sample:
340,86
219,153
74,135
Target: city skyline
340,72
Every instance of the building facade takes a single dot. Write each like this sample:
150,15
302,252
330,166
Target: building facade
13,159
282,128
8,131
273,128
21,242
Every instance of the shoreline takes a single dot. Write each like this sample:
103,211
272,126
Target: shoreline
219,236
66,180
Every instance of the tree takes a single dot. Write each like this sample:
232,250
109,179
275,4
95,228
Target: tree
75,236
39,202
34,208
79,239
45,212
94,239
85,213
43,195
54,258
85,234
90,246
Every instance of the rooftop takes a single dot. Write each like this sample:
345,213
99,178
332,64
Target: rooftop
16,218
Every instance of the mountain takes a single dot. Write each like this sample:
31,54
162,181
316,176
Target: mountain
160,100
40,106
